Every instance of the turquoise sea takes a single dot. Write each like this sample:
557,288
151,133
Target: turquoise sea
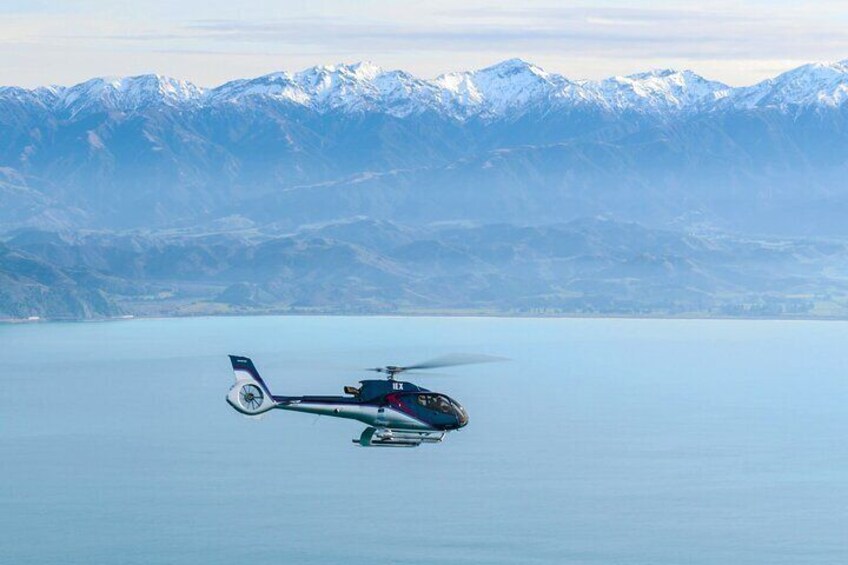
602,441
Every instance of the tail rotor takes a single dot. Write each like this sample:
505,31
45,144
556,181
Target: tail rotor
249,395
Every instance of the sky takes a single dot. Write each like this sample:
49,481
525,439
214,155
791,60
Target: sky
211,41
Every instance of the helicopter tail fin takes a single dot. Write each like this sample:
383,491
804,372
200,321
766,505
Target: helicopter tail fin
249,395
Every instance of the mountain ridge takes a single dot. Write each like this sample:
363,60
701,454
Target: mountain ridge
510,85
591,266
348,188
507,143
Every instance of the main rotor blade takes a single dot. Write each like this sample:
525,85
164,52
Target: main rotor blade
455,360
428,373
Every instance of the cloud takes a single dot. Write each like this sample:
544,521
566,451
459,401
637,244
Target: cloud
581,41
625,33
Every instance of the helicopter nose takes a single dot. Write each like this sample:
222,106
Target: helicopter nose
460,416
461,420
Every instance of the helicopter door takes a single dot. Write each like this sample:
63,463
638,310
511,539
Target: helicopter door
381,421
384,413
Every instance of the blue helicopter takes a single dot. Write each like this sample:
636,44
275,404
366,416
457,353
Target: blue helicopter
398,413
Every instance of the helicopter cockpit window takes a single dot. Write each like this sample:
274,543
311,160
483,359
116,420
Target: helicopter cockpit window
436,402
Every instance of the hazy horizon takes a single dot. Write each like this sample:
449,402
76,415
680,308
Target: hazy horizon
428,78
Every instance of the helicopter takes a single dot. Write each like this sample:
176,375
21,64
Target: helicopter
398,413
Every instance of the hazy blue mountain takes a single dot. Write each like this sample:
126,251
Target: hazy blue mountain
32,287
509,143
586,266
350,188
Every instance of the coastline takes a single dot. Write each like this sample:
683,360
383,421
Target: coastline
431,314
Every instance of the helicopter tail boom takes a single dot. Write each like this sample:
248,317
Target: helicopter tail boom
249,395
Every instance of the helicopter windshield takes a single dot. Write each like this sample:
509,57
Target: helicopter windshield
443,404
435,402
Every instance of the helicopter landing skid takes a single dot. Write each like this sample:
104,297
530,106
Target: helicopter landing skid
386,437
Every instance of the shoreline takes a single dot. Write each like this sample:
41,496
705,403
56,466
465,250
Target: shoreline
435,314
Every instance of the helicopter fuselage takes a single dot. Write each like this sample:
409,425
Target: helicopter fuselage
390,404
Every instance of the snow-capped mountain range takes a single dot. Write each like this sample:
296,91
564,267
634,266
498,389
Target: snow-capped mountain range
499,166
511,86
510,143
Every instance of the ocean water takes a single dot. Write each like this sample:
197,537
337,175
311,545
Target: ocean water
601,441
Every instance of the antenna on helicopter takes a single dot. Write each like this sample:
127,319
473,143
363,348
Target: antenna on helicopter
446,361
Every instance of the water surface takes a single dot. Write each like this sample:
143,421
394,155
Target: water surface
602,441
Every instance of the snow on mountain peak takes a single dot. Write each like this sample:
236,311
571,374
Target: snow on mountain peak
823,84
44,96
127,93
501,87
656,73
512,67
279,86
508,88
402,94
365,70
658,90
